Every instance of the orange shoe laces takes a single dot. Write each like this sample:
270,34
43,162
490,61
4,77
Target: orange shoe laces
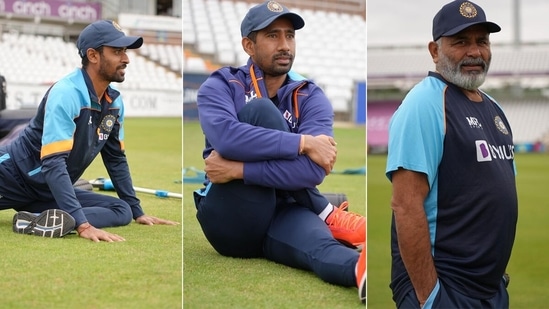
347,219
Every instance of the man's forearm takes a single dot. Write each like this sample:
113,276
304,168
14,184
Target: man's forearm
410,190
415,250
237,170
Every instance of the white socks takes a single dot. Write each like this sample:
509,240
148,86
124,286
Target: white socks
326,212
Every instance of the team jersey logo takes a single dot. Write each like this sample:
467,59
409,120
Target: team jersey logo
483,154
250,97
108,123
106,127
474,123
288,116
487,152
501,125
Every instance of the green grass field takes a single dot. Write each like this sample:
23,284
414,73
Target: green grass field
142,272
214,281
528,266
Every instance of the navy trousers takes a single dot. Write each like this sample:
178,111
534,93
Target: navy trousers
447,298
101,210
249,221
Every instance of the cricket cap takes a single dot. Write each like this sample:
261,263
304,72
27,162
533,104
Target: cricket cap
458,15
262,15
105,33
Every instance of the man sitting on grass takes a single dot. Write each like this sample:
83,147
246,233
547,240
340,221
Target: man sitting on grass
269,143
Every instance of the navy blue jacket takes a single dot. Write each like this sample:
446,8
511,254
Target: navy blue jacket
270,157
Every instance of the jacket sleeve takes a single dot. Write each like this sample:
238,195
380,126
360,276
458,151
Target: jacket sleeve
114,159
54,169
316,119
233,139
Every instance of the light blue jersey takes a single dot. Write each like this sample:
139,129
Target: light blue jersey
71,127
465,149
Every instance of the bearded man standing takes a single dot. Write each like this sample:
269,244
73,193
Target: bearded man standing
452,168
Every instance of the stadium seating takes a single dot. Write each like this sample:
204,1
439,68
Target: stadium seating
528,119
331,48
42,60
22,62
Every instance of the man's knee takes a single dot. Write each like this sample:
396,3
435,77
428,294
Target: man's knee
126,215
263,113
119,213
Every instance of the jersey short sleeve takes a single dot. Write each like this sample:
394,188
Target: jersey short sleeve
416,130
62,107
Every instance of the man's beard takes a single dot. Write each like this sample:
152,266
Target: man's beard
276,70
111,77
453,74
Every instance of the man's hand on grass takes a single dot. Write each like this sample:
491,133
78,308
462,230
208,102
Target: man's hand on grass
92,233
150,220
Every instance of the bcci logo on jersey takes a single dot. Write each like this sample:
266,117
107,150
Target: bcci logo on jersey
106,127
487,152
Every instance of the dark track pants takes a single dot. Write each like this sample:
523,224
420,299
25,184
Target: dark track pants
447,298
101,210
249,221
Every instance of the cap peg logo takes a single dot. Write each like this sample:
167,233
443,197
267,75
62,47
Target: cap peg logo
116,26
273,6
468,10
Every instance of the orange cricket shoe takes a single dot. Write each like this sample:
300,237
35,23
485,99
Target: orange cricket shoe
347,227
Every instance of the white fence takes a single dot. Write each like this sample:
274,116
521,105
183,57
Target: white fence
138,103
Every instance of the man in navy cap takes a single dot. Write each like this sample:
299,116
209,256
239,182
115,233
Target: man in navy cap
79,117
269,143
452,168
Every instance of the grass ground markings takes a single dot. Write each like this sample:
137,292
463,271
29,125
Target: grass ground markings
142,272
214,281
528,267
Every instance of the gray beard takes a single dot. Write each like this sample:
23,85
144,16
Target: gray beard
453,73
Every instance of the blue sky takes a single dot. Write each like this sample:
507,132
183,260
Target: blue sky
404,22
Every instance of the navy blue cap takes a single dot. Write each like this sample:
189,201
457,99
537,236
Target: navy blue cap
458,15
262,15
105,33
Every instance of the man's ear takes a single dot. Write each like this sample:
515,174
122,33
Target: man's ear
93,55
248,46
433,50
